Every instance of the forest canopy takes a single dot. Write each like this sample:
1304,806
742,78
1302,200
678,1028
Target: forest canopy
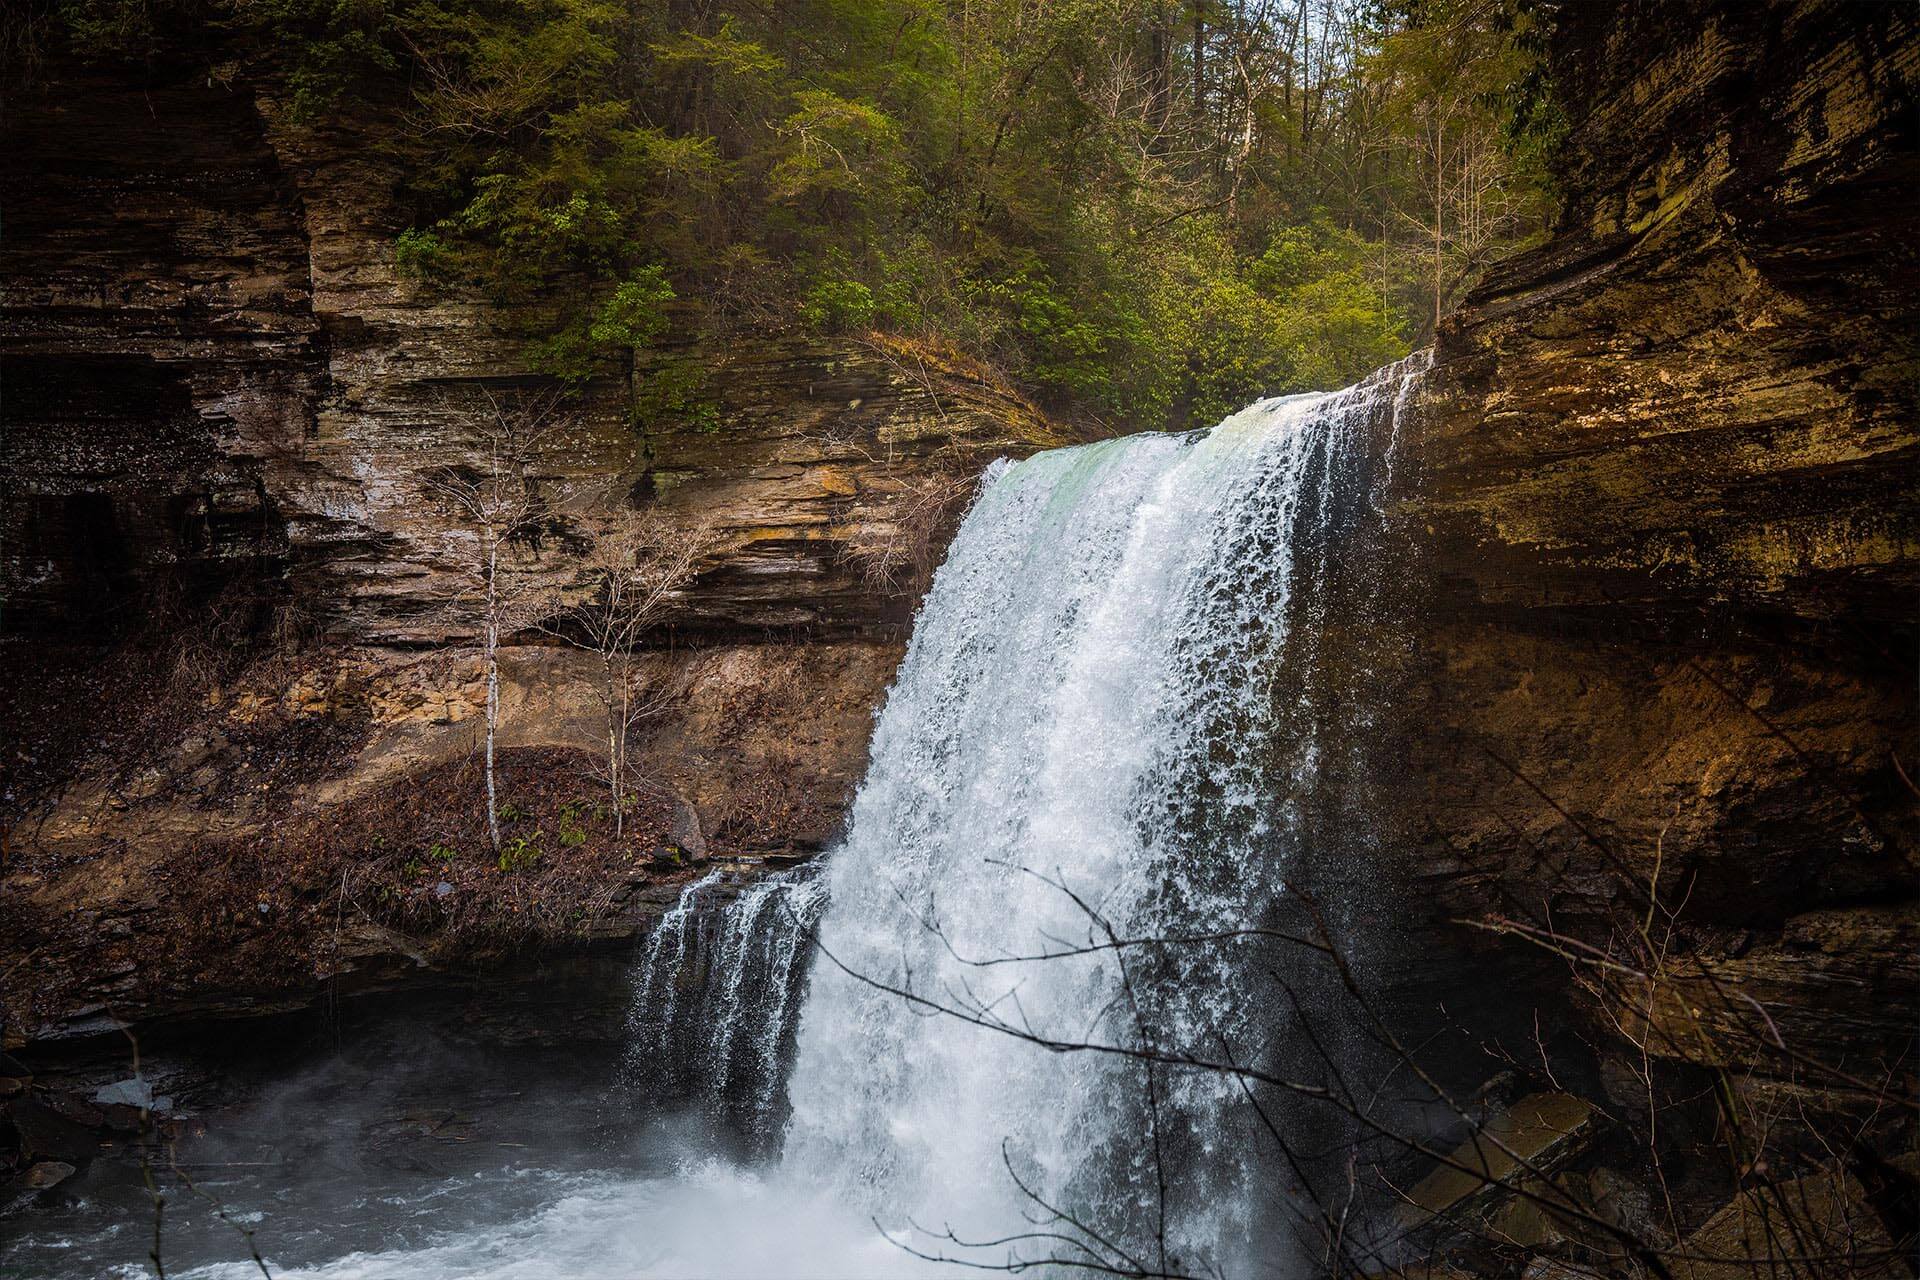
1145,212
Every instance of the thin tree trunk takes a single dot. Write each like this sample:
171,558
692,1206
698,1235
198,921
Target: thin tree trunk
1199,62
613,776
493,692
1160,91
1439,215
617,748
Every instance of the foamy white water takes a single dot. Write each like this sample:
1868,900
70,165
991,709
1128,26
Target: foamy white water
1087,733
711,1221
1086,712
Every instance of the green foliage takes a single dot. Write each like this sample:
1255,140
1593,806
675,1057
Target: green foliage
510,812
674,390
636,312
572,833
1194,329
627,319
333,46
424,256
444,854
1079,193
111,30
520,853
838,306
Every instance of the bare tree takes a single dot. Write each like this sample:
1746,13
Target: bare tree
636,565
500,503
897,548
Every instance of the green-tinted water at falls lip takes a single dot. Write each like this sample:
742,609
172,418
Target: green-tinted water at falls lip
1088,731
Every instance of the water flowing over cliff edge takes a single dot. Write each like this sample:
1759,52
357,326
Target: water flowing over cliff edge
1086,742
1089,742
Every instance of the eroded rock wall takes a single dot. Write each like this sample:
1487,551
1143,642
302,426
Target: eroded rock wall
156,314
1658,498
220,397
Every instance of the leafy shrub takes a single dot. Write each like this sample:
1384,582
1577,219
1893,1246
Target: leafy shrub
521,853
838,306
424,256
675,390
636,313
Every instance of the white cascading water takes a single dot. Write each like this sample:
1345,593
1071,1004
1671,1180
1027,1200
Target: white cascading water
1081,738
1101,723
713,1004
1085,712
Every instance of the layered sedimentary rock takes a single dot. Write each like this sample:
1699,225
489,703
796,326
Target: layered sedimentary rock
212,361
1653,511
1660,493
224,414
157,312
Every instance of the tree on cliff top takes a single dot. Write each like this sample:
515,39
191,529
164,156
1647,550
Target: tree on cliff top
1083,194
1079,193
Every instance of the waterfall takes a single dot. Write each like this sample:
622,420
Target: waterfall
717,987
1096,735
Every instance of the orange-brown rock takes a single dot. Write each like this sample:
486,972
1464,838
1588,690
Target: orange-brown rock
1658,498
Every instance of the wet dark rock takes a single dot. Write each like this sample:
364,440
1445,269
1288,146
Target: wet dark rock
1554,1269
44,1131
1516,1147
1776,1227
48,1173
15,1078
76,1110
135,1093
1626,1202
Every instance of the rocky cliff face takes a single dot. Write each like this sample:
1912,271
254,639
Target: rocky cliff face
1658,494
213,367
222,411
157,312
1646,610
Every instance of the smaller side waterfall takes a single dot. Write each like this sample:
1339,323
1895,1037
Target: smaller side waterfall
716,997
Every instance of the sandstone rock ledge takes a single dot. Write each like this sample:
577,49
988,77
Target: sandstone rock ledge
221,406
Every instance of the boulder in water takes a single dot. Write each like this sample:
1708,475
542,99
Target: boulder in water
48,1173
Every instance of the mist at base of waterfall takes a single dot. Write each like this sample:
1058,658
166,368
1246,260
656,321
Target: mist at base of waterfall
709,1219
401,1157
703,1217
